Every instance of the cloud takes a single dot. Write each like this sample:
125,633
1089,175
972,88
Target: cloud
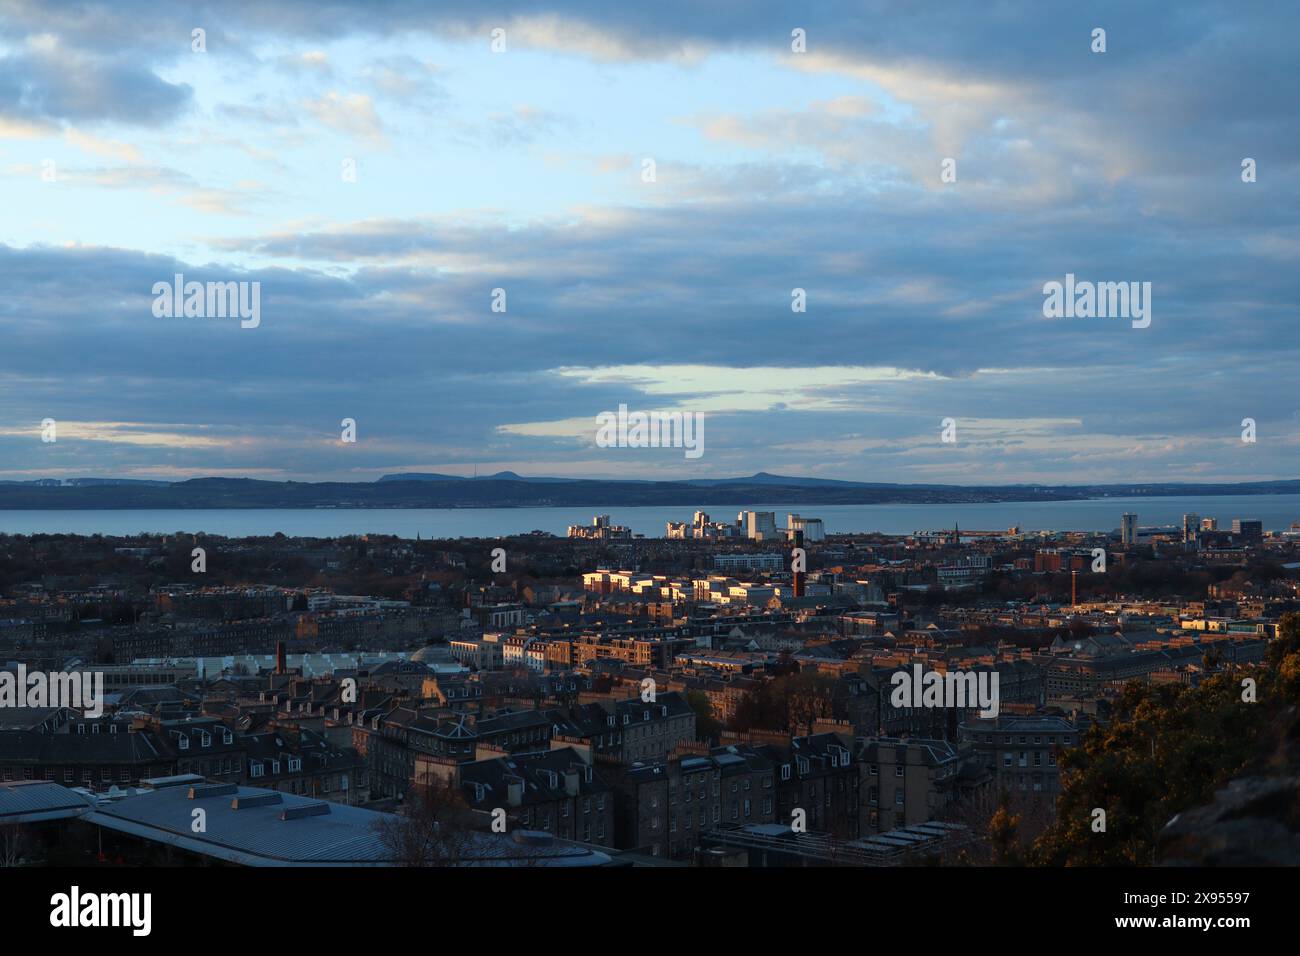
352,113
47,82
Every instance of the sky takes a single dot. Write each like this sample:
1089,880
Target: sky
380,169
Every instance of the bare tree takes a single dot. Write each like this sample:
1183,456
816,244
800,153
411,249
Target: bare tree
15,843
435,827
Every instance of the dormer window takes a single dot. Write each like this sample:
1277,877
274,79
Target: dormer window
611,720
255,769
183,742
295,764
227,737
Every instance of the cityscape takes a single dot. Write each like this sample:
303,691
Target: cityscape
712,445
726,694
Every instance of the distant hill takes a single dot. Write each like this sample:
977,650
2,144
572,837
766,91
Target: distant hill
507,490
434,476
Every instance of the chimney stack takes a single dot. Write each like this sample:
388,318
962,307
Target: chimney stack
798,575
280,667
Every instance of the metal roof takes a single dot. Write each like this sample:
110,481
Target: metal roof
30,801
259,827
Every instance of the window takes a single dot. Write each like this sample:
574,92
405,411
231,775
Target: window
898,770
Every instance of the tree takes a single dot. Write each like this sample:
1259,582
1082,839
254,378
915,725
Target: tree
434,827
1166,749
15,844
1004,837
707,728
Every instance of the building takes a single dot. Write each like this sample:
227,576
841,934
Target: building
626,731
1128,529
813,529
1248,529
819,775
911,780
555,791
1191,525
757,525
666,807
768,562
255,827
1021,751
600,530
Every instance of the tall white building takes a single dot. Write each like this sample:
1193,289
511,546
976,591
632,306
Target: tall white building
758,525
813,529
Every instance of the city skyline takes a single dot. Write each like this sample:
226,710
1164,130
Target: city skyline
128,158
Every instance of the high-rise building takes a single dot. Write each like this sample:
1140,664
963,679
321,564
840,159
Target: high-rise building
1191,524
1248,528
1128,529
758,525
1209,524
812,528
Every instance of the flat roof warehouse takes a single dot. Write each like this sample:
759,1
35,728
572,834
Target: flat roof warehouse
250,826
